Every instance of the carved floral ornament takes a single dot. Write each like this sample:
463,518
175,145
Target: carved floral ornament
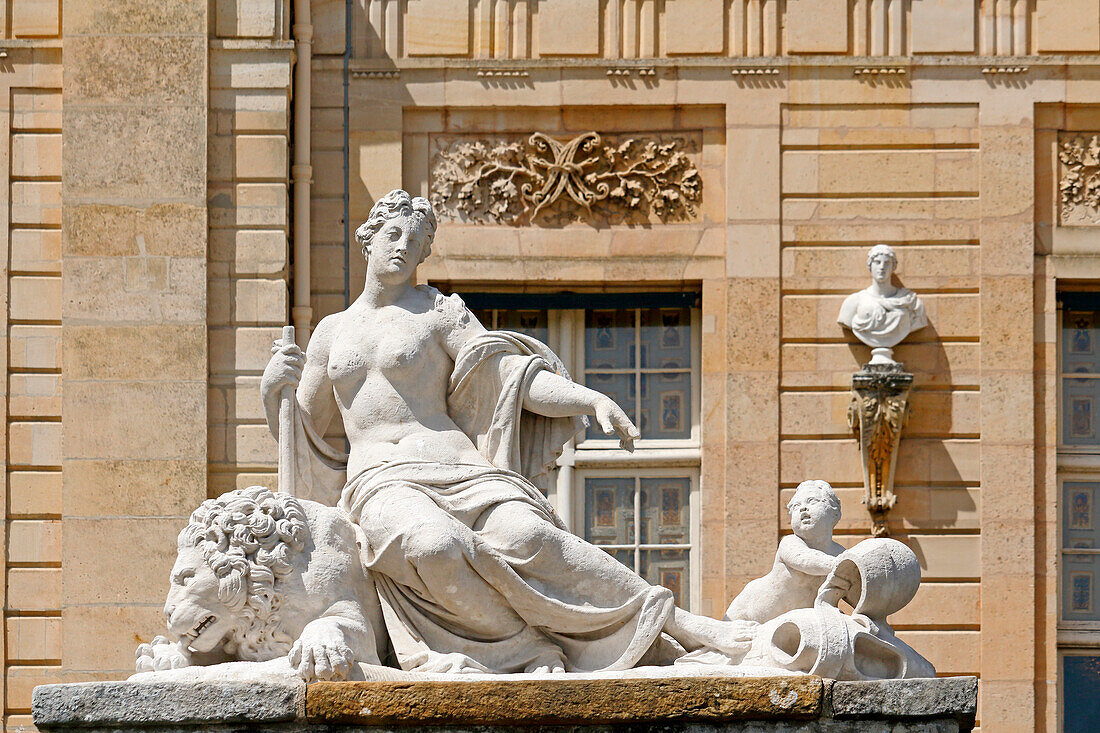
1079,179
539,178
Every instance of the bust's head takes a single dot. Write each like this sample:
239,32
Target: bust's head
398,220
882,261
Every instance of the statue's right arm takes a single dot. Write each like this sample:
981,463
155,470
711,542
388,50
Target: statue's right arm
797,555
308,373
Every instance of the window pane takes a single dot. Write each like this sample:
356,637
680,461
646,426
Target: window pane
1079,531
1079,587
1079,349
609,511
532,323
1081,693
1079,526
1079,403
484,316
619,387
666,338
664,506
666,405
609,339
670,569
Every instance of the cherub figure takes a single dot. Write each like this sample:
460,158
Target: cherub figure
802,561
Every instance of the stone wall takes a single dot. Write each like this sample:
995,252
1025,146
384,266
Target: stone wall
248,194
30,123
133,315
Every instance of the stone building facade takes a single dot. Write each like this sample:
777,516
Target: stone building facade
689,258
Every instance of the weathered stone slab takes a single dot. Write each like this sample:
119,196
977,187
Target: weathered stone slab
922,698
563,701
158,703
662,705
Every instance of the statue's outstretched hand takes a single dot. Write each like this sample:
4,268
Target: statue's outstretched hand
284,369
613,421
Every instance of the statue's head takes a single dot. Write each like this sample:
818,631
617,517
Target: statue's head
401,229
814,506
229,557
882,261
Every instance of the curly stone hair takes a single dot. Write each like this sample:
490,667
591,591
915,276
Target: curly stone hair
882,249
394,204
247,537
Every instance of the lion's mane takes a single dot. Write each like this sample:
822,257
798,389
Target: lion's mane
247,537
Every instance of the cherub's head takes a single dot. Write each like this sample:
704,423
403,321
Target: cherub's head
814,508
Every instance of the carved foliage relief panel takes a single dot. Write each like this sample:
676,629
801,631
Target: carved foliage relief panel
557,179
1079,179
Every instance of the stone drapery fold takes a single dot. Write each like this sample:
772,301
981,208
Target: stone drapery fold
565,601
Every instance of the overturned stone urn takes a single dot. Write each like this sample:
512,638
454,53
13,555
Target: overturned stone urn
877,577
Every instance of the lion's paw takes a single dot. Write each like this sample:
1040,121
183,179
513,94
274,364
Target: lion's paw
159,655
321,654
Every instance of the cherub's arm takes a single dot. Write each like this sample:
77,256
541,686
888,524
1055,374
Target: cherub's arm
797,555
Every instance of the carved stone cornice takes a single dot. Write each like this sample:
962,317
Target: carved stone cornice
515,179
876,414
1079,179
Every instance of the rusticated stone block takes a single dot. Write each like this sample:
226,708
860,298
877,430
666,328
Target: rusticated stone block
817,26
109,703
563,701
569,28
946,696
438,28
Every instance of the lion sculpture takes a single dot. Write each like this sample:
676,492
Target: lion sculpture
261,576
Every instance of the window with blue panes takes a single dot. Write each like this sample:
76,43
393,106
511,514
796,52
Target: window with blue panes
1079,525
642,350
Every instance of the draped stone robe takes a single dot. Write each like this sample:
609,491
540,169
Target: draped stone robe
571,601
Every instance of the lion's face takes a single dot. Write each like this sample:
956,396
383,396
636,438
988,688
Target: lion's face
194,612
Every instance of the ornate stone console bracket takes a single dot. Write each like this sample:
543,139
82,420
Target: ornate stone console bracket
877,413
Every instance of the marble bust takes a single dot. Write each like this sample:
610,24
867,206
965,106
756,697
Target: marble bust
883,314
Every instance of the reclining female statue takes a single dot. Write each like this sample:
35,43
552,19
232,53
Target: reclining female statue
448,424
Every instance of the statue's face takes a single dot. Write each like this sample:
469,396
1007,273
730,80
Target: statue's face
195,614
398,247
882,267
810,510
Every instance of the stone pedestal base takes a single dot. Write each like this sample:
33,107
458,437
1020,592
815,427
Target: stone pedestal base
698,704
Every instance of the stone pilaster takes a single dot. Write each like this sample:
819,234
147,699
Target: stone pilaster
1007,414
752,337
134,248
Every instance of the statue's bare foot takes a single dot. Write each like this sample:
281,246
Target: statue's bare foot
732,638
546,664
453,663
